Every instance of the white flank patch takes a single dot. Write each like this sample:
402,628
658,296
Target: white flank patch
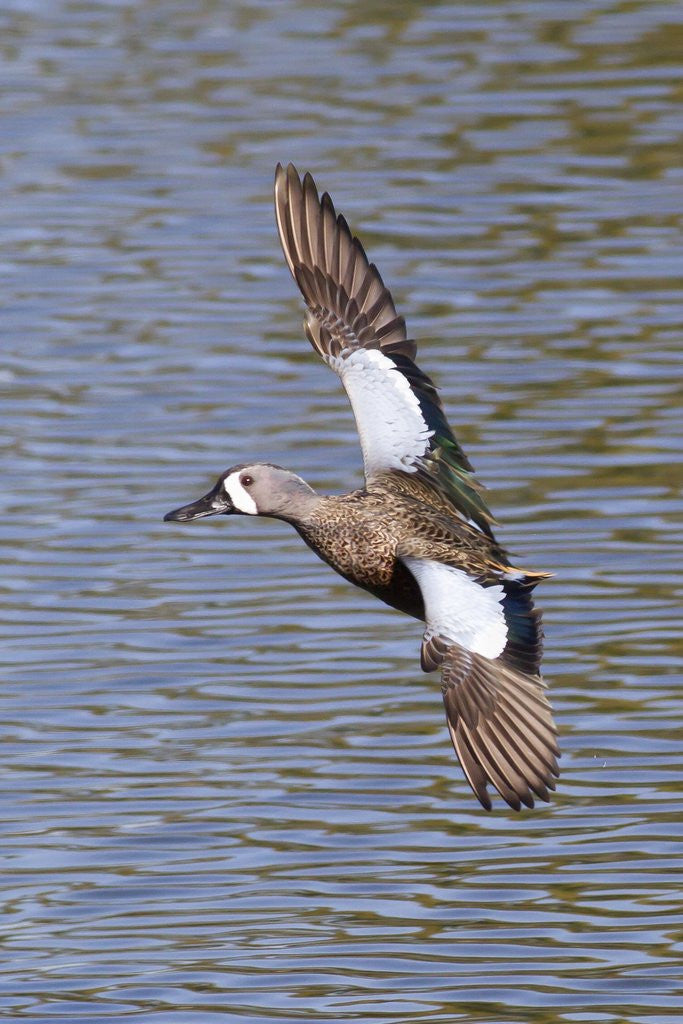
459,609
516,575
239,496
392,430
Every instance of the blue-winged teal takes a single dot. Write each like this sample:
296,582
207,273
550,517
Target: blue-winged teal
418,535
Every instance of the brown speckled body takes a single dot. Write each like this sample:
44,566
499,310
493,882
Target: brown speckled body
357,534
360,535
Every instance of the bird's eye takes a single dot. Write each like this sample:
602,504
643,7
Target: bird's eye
246,480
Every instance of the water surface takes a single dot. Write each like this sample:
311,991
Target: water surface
228,791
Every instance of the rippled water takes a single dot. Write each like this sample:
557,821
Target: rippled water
228,791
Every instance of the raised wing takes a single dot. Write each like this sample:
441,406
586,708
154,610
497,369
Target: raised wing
352,323
499,718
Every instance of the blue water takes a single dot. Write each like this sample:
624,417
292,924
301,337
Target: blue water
228,790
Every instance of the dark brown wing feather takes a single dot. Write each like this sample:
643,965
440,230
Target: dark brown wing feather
502,728
344,291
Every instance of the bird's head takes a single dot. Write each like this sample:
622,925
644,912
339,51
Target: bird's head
249,490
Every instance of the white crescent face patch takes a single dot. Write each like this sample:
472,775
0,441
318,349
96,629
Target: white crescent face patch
239,495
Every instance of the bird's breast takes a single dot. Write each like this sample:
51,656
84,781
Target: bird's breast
362,548
364,553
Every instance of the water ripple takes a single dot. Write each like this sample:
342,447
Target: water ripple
228,788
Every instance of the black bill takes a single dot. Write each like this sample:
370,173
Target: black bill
215,503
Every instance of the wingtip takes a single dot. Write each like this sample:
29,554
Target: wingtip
293,178
286,175
280,175
327,204
279,183
485,801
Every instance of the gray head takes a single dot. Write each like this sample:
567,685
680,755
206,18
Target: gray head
256,490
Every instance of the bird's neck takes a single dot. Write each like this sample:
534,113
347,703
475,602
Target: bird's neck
302,510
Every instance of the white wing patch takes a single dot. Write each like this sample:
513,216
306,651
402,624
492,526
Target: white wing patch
459,609
239,496
392,430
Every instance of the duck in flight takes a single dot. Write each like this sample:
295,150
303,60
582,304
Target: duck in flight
418,535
